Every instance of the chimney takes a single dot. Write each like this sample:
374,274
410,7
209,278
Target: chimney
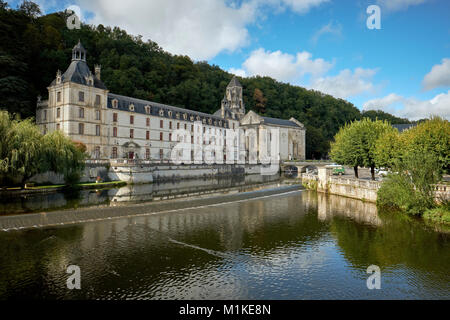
98,69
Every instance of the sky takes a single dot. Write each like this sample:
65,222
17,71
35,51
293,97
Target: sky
402,68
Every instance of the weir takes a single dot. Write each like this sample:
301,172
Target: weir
115,211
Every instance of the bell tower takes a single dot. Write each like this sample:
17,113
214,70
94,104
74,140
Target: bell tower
78,52
234,98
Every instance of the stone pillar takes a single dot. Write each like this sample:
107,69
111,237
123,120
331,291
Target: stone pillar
322,183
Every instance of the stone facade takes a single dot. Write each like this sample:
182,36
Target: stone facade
119,127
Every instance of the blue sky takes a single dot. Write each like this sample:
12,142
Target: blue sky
402,68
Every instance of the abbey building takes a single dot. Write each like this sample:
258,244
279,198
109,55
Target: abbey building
113,126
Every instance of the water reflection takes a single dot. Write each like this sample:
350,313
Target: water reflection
131,193
296,245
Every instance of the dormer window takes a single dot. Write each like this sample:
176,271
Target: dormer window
209,121
192,118
204,121
198,118
147,109
115,104
177,116
185,116
131,107
170,114
58,77
161,112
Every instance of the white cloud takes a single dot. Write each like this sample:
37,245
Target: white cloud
299,6
284,66
197,28
200,29
412,108
439,76
346,84
397,5
331,28
238,72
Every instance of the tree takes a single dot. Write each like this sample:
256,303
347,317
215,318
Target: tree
381,115
3,5
63,156
25,152
431,136
30,8
411,187
355,144
389,149
260,101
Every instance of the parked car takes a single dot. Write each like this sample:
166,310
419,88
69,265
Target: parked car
381,172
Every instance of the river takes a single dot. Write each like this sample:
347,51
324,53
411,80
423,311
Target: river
240,240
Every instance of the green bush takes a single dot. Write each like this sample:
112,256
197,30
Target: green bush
410,189
440,214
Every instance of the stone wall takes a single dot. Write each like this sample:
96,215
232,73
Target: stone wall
354,188
136,172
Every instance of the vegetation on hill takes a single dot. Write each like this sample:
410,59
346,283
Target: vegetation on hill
34,47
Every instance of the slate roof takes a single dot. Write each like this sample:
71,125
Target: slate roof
234,83
77,72
403,127
280,122
139,107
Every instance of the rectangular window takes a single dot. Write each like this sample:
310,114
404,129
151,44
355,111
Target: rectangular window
80,128
97,152
147,135
81,113
161,124
81,96
185,126
161,136
131,133
147,154
170,125
97,115
178,125
148,122
45,129
115,132
161,154
192,139
192,128
97,130
114,153
58,97
58,126
131,119
58,112
114,117
170,137
98,100
44,116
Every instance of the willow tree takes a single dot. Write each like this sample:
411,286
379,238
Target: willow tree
25,152
355,143
63,156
